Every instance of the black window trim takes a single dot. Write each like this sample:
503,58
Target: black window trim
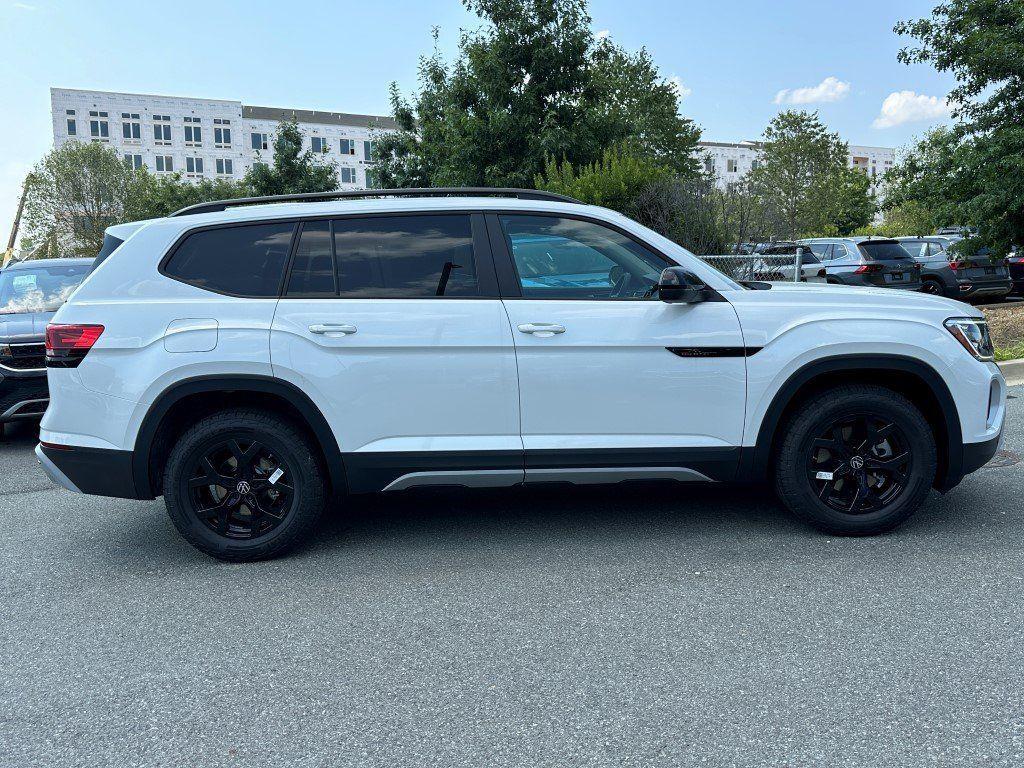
482,253
508,275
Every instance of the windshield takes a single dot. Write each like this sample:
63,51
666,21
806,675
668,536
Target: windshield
38,289
883,250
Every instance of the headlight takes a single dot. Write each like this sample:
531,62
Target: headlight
973,335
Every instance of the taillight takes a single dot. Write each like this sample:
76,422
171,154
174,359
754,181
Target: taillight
869,269
66,345
954,265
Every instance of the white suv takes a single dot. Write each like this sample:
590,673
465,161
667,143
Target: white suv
249,360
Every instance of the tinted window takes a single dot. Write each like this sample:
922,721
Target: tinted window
838,250
244,261
819,249
916,248
110,244
883,251
569,258
312,272
405,257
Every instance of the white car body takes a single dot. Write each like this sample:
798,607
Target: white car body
454,377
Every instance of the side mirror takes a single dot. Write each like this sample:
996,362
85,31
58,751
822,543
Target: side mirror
677,286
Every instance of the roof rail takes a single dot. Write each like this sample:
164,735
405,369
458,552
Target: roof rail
315,197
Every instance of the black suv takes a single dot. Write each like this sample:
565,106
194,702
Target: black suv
943,274
875,262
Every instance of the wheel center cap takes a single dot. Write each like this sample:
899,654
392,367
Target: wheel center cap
857,462
243,487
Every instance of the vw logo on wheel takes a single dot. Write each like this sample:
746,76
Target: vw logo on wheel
243,487
857,462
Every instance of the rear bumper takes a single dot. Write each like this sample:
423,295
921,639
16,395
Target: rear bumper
96,471
985,288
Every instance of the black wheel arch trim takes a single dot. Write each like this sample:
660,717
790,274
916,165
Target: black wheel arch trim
756,460
233,383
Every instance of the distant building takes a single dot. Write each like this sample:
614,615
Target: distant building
209,138
730,161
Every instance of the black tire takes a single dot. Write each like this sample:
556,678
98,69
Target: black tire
274,515
932,287
886,501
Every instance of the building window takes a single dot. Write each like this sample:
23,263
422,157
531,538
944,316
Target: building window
320,145
259,141
162,130
72,127
754,164
193,132
164,164
347,146
709,164
368,151
133,161
131,128
730,166
221,133
225,167
347,175
193,166
99,128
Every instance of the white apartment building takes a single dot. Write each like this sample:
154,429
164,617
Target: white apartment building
210,138
730,161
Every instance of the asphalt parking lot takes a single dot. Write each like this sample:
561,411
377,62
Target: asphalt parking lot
638,625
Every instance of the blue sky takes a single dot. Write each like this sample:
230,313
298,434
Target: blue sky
732,59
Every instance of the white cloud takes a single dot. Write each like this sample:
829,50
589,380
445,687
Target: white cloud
681,90
902,107
829,89
603,34
24,6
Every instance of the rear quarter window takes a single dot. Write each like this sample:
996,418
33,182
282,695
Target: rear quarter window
246,260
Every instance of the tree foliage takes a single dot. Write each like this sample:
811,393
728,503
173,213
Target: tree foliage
803,175
76,192
615,181
530,84
971,174
294,170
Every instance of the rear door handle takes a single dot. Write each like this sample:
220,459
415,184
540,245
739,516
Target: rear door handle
542,330
332,329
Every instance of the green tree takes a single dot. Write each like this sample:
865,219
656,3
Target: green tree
75,192
162,195
615,181
977,166
803,175
530,84
294,170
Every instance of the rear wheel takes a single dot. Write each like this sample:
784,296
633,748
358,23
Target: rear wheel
244,485
856,460
932,287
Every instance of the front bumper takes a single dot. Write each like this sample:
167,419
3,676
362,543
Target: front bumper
22,396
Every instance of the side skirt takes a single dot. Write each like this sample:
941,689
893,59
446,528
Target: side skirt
371,472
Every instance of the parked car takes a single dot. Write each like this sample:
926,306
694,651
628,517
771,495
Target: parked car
778,263
944,275
1016,266
30,292
249,360
878,262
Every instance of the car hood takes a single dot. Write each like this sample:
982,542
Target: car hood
836,314
24,326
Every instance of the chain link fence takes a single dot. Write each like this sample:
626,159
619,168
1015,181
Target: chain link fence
782,267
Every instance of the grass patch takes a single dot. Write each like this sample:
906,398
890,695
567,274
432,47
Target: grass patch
1015,352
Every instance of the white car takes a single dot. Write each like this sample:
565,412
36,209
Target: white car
250,360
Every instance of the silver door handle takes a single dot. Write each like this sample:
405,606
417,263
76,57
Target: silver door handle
331,329
543,330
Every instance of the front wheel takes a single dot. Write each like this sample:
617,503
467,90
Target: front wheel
856,460
244,485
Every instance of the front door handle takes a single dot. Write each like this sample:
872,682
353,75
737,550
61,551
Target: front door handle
332,329
542,330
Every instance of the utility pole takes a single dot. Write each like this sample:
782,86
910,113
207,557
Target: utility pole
13,239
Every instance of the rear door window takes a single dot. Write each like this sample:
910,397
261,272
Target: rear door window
245,260
312,272
405,257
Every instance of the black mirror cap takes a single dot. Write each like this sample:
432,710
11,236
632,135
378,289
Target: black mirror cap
677,286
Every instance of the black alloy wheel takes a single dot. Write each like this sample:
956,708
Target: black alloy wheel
860,464
240,489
